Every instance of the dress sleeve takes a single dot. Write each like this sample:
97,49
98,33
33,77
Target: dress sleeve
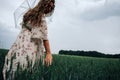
44,28
41,31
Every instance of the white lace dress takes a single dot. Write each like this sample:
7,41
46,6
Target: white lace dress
26,50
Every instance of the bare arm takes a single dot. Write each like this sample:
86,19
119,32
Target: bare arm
48,58
47,46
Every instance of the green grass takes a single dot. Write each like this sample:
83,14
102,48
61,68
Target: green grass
73,68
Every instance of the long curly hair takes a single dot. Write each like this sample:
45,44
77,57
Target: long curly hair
34,15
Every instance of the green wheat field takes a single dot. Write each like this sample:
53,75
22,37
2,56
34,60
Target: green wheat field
72,68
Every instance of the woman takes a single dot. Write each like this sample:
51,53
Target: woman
27,52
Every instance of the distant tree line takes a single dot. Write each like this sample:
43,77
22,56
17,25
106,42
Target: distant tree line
88,53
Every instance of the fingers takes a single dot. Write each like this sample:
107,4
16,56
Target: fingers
48,60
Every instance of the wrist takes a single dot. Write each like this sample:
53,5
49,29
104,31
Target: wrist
48,52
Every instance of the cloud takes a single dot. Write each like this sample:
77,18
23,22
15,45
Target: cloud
7,8
7,35
90,10
69,30
103,11
99,35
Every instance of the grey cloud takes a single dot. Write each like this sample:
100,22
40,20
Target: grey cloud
7,35
69,31
107,10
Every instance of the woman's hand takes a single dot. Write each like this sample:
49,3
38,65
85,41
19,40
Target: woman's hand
48,59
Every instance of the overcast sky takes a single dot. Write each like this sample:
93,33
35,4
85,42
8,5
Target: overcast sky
76,25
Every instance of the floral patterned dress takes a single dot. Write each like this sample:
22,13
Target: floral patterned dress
26,50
